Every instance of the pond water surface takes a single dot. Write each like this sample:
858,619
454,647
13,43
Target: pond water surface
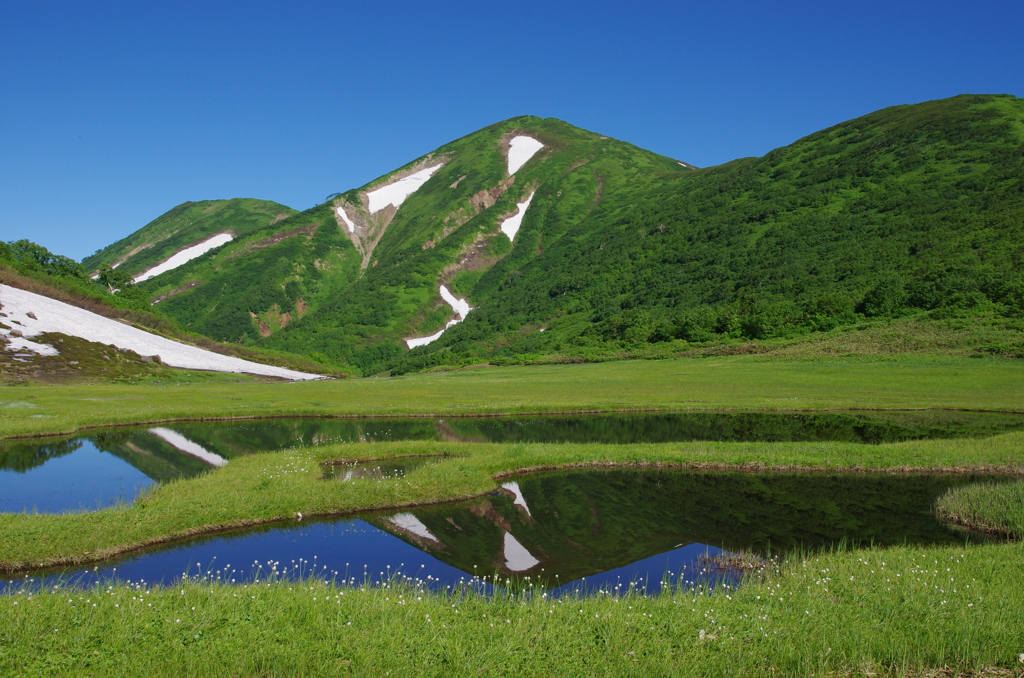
110,466
567,531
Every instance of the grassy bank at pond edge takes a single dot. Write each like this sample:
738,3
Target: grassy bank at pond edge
736,382
276,486
896,611
986,507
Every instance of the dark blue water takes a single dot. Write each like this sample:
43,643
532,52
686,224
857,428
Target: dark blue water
354,552
684,566
85,480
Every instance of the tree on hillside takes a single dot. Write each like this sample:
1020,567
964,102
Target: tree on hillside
114,279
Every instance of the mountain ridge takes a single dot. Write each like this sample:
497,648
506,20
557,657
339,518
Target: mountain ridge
182,226
592,247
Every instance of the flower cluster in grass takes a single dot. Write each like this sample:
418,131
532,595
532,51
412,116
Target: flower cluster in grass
885,611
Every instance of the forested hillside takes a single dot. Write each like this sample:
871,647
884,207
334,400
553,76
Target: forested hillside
908,209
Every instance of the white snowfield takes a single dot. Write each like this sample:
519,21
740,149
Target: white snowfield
517,558
520,500
521,149
461,308
411,523
56,316
186,255
183,444
511,225
340,211
23,344
396,192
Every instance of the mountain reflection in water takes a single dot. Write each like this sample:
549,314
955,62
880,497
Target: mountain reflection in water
186,449
609,527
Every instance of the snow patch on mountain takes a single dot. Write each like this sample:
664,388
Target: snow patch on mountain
184,256
56,316
23,344
511,225
340,211
461,308
521,149
396,192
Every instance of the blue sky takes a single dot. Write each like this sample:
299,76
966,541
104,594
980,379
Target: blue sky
113,113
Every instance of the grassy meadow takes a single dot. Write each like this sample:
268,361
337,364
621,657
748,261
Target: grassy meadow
731,382
918,611
898,611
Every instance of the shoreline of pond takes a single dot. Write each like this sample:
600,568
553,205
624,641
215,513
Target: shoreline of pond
497,415
747,468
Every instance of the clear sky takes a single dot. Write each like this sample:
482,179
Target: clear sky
113,113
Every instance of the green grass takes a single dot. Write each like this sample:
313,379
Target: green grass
276,486
987,507
897,611
732,382
891,619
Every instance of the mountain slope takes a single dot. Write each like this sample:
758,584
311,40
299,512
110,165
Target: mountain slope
907,209
349,281
58,325
532,237
185,226
29,315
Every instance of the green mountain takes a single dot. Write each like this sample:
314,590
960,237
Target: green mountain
184,226
910,210
349,280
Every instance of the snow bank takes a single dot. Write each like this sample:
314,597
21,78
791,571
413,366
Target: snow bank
521,149
340,211
23,344
184,256
511,225
411,523
56,316
520,500
461,308
183,444
517,558
395,193
423,341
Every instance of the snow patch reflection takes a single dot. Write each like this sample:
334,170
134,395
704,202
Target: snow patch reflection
411,523
517,558
183,444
